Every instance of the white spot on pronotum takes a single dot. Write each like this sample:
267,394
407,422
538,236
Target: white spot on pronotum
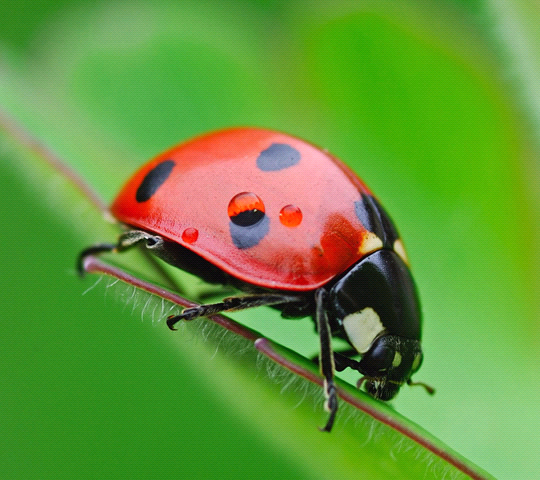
416,362
362,328
400,250
370,243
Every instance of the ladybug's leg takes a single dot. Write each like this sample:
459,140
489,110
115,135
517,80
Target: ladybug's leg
341,358
326,359
342,361
125,241
231,304
94,249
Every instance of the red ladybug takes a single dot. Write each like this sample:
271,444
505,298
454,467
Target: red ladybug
295,228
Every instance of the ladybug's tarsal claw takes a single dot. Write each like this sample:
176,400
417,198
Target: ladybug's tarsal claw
171,322
189,314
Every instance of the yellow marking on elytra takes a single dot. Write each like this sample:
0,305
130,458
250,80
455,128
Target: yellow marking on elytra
399,248
370,243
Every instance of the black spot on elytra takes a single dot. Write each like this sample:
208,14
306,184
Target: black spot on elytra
153,180
249,235
375,219
277,157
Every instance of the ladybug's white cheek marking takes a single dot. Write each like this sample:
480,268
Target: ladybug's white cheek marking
416,362
397,360
362,328
369,244
400,250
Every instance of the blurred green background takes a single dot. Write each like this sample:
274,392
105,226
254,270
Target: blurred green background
434,103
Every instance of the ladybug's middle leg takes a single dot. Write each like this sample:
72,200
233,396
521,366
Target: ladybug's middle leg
232,304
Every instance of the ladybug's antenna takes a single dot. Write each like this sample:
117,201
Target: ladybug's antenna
429,388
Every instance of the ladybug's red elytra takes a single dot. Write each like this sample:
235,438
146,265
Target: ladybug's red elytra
293,227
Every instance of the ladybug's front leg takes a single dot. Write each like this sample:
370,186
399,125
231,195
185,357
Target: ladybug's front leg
326,360
125,241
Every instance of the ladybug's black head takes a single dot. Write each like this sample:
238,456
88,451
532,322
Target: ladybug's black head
388,364
375,307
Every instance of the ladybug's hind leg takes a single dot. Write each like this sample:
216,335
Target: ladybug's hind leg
125,241
232,304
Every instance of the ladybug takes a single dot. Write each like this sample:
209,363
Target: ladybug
294,228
